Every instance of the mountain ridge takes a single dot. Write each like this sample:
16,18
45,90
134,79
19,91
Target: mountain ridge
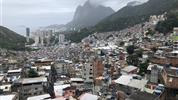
131,15
128,17
87,15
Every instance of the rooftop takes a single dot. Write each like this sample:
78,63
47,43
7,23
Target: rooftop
46,67
129,80
88,96
1,77
152,65
33,80
58,89
76,79
15,71
39,97
172,71
6,87
175,52
129,68
7,97
142,96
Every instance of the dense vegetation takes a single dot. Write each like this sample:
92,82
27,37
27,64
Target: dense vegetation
77,36
131,15
134,58
11,40
122,23
168,25
32,73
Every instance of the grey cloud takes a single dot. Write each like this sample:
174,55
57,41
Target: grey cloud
97,2
35,13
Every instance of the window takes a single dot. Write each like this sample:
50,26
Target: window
170,79
90,77
25,94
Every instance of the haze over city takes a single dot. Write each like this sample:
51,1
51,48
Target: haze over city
88,49
18,14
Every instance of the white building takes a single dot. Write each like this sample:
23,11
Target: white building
61,38
13,75
6,88
42,37
27,35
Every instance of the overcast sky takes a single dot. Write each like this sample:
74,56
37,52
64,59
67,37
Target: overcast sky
18,14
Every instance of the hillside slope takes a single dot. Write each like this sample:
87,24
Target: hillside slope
11,40
131,15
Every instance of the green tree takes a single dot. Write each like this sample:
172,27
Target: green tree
143,67
53,73
133,60
168,24
45,41
32,73
150,32
130,49
77,36
139,53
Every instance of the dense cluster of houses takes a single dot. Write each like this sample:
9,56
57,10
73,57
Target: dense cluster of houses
101,67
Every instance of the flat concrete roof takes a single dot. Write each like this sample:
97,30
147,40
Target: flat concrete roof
7,97
33,80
